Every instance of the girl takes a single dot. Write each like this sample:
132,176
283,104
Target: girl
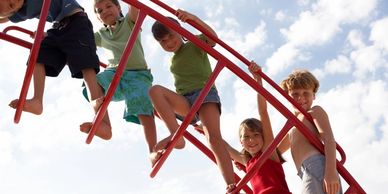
137,78
255,137
191,69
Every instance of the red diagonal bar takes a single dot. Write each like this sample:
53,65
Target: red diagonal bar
291,117
116,79
32,60
233,68
247,62
210,155
197,104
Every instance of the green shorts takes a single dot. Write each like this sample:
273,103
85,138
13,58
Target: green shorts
133,89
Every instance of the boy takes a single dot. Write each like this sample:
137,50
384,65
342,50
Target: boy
191,69
70,41
318,172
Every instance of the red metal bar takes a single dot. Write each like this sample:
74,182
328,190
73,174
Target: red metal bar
197,104
210,155
20,29
116,79
287,114
32,60
233,68
15,40
245,61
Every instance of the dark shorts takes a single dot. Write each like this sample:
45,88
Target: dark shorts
71,42
212,97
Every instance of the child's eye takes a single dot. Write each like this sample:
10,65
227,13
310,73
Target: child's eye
99,11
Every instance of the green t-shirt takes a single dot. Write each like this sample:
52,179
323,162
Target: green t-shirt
190,67
115,41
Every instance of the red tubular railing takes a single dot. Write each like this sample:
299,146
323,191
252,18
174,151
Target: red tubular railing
246,62
210,155
283,110
292,120
197,104
116,79
32,60
20,29
15,40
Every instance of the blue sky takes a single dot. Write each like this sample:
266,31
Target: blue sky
342,42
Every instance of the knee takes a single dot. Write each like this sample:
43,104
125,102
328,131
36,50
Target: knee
155,90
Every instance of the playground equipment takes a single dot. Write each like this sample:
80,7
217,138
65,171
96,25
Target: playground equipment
223,62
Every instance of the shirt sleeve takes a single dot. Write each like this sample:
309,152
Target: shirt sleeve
15,18
97,39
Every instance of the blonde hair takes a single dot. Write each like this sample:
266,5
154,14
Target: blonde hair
300,79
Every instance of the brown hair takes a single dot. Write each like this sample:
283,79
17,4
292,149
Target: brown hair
159,30
254,125
116,2
300,79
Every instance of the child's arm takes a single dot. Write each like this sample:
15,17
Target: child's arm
133,12
3,20
263,112
285,144
321,121
236,155
184,16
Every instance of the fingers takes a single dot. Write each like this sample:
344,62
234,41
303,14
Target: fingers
184,15
254,67
332,187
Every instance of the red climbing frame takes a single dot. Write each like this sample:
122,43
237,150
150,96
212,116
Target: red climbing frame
224,62
354,187
32,60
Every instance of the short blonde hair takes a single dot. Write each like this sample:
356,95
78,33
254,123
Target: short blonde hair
300,79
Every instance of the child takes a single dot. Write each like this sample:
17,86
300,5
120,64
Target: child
318,172
137,79
191,69
255,137
70,41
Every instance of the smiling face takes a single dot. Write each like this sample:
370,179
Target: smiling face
251,136
9,7
252,141
171,42
107,12
304,97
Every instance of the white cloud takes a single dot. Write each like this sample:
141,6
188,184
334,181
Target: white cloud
45,154
340,65
367,60
355,39
280,16
378,33
284,57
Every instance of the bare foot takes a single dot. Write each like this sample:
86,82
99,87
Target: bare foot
97,103
164,142
104,131
154,156
30,105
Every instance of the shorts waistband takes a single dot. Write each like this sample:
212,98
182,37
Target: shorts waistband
66,20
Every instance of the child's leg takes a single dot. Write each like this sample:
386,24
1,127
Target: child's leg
210,118
149,128
166,102
35,104
96,98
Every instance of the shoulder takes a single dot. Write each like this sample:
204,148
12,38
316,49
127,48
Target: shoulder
316,111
